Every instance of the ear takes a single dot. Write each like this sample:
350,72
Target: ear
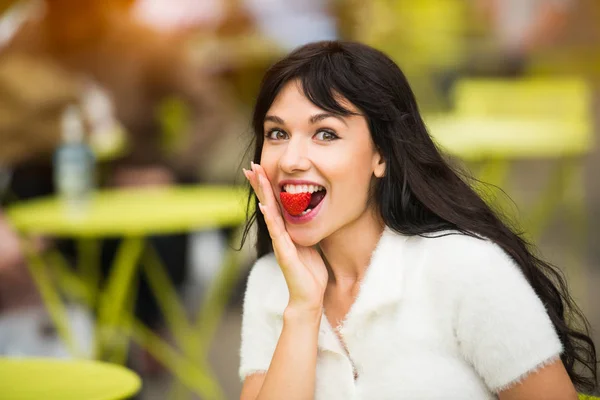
379,165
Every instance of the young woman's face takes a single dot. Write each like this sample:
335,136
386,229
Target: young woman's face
307,149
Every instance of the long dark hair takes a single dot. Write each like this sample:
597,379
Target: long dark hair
420,192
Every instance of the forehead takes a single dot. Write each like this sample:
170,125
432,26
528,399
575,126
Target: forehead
291,100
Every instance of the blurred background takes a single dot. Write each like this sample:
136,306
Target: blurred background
124,123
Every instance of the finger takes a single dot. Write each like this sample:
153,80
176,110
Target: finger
271,204
274,229
282,243
253,180
275,224
256,181
250,177
261,185
264,187
267,190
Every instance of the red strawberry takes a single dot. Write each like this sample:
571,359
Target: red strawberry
294,203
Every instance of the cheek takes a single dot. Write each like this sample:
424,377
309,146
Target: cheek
353,187
351,173
269,160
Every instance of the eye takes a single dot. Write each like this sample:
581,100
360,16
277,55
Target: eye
326,135
276,134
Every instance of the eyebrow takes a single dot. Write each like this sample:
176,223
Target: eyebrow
321,116
313,119
275,119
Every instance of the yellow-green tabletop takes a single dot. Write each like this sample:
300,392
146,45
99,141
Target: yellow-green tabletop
52,379
481,138
134,212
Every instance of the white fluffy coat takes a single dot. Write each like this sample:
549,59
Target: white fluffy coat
448,317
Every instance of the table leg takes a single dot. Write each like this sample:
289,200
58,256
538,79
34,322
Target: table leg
88,251
181,329
185,370
575,209
211,310
490,179
111,307
70,284
120,348
51,297
565,187
166,296
551,197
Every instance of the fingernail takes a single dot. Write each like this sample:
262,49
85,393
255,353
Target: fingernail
261,208
252,165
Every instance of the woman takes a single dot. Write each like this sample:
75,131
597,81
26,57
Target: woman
382,275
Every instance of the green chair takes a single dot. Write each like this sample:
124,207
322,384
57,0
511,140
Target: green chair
496,122
53,379
563,98
557,116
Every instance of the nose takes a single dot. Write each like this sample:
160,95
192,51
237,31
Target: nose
295,157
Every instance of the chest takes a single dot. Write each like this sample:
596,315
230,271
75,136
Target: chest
402,351
336,306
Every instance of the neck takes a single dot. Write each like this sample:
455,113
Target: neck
348,251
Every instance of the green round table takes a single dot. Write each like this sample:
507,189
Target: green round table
134,212
133,215
50,379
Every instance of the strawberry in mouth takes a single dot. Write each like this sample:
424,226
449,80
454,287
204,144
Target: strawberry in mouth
299,200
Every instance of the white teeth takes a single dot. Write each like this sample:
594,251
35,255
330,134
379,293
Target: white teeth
306,212
293,189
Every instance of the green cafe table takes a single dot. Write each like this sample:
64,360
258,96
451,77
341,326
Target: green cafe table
496,143
52,379
134,215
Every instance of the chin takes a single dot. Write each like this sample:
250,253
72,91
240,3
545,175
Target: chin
304,237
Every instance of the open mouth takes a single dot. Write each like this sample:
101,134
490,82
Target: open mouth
299,200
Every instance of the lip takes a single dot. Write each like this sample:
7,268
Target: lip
302,219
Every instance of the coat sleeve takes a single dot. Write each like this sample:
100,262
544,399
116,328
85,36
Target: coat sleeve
259,324
501,325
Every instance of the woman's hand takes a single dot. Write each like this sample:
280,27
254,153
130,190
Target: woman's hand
303,267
